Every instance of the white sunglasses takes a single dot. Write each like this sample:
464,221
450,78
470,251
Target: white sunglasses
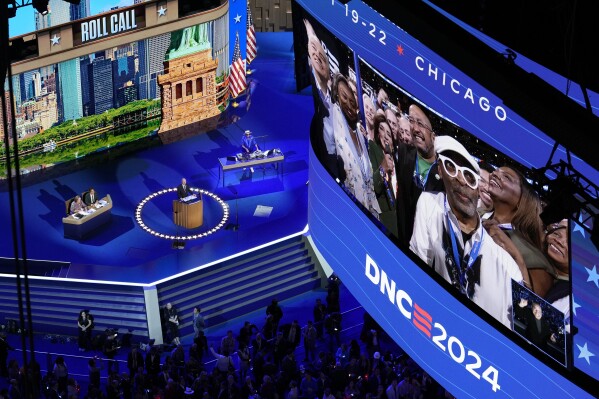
470,177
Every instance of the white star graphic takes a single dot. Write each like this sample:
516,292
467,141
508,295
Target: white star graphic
237,18
55,39
578,226
574,305
161,11
584,353
593,276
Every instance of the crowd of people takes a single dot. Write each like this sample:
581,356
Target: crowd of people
479,226
279,359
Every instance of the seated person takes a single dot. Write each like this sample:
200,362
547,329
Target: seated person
91,197
183,189
77,205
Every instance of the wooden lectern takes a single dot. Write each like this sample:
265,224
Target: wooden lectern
189,215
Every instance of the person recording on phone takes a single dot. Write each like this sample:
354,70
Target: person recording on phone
449,235
183,189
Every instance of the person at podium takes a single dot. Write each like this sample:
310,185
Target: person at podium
183,190
91,197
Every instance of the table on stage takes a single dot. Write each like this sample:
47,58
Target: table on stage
232,163
82,223
188,212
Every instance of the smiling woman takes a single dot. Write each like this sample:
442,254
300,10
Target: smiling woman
516,211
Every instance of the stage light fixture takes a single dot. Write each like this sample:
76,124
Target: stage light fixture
40,6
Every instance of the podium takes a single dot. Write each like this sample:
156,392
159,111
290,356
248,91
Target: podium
188,214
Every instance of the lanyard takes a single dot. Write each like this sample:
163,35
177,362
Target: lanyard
387,188
456,257
422,181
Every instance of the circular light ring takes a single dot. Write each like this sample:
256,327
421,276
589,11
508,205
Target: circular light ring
219,225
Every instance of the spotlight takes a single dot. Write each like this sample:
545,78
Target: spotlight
40,6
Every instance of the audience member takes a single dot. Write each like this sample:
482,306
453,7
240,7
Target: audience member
245,333
324,145
275,310
333,327
308,386
4,348
384,179
171,320
382,99
259,345
153,363
227,343
449,236
405,131
319,312
310,335
369,112
557,251
485,202
352,150
517,227
61,372
200,346
109,349
416,171
135,360
178,378
293,334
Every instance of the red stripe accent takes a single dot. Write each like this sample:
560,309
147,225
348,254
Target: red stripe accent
422,320
423,312
421,328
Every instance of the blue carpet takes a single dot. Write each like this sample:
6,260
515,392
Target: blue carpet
123,251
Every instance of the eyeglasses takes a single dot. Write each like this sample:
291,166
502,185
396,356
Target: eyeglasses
419,123
470,177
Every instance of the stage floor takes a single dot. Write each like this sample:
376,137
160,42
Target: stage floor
268,206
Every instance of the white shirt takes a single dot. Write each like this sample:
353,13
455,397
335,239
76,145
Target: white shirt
358,169
497,269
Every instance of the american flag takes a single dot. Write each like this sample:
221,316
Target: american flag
237,79
251,37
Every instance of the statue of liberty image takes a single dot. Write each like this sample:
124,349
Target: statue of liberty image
188,41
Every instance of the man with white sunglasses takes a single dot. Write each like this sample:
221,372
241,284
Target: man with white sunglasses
448,235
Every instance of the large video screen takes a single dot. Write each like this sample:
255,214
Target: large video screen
423,155
66,110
